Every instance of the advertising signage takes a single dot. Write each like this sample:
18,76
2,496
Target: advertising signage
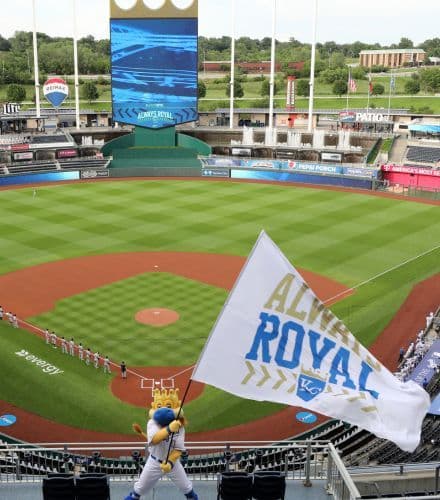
154,71
411,170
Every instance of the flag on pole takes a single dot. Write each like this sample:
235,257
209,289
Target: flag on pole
352,85
370,84
276,341
393,83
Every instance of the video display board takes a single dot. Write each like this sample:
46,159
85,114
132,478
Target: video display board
154,71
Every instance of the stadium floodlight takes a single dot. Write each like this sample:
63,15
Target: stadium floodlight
126,4
75,61
154,4
272,69
36,67
232,82
182,4
312,66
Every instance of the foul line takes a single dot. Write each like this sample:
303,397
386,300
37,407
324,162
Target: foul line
362,283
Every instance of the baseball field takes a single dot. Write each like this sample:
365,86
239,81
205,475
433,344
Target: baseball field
84,259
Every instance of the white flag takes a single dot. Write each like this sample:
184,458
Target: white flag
276,341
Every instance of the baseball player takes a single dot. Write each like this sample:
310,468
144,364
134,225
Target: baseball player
80,352
63,345
160,429
88,354
14,321
96,359
1,313
54,339
107,365
47,336
123,370
72,347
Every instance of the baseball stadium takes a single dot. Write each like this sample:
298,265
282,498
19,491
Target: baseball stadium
122,295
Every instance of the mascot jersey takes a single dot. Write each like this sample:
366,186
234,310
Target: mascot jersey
160,451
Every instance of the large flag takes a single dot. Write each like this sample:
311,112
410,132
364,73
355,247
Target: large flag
276,341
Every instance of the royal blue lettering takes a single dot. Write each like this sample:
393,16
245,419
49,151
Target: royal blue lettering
363,378
319,355
264,336
299,332
341,359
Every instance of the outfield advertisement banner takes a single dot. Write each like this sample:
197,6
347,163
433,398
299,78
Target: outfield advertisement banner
11,180
297,166
411,170
154,71
276,341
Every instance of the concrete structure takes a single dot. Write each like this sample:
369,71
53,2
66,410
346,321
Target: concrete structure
392,58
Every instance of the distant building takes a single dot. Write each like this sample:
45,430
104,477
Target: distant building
392,58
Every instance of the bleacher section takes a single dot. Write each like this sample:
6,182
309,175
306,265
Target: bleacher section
428,155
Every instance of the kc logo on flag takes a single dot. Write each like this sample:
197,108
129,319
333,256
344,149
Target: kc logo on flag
281,344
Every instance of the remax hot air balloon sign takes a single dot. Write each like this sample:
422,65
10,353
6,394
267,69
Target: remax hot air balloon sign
55,91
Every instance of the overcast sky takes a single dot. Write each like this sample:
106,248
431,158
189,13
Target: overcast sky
384,21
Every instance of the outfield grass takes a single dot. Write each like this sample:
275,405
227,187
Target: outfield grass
346,236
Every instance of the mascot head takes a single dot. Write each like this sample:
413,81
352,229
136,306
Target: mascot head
166,400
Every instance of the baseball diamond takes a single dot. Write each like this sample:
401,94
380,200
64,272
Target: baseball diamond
84,260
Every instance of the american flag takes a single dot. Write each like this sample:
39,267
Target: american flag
352,85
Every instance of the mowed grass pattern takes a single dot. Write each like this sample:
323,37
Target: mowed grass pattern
346,236
104,319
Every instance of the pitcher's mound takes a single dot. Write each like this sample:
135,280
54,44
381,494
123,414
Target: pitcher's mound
157,317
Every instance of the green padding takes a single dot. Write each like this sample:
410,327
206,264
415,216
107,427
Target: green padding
154,138
124,142
187,141
154,153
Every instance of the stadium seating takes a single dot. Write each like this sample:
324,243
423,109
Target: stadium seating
423,154
268,486
55,488
235,486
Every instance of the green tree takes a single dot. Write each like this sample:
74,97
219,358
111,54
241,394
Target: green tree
238,90
378,89
201,89
5,45
16,93
337,60
302,88
412,87
265,88
340,88
90,91
405,43
430,80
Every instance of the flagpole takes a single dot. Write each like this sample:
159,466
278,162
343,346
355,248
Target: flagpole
312,66
232,82
75,61
36,67
272,69
348,88
369,92
389,96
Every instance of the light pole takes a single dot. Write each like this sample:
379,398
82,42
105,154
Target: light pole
36,68
272,69
75,63
312,67
232,82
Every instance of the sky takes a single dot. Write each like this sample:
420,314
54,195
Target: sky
383,21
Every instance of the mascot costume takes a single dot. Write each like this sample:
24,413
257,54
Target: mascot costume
163,427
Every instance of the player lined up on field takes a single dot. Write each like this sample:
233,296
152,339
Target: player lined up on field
69,347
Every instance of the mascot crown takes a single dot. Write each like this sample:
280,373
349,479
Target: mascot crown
165,399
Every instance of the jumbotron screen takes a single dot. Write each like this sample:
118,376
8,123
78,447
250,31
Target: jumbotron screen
154,71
